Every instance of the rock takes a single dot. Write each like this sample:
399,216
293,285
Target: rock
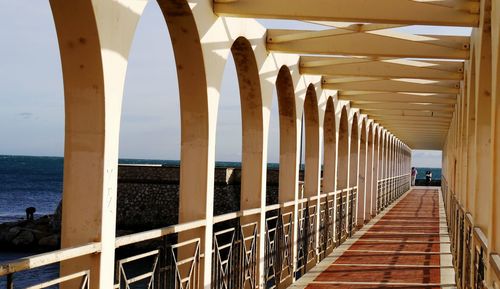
30,225
7,235
43,220
23,239
15,230
49,241
40,234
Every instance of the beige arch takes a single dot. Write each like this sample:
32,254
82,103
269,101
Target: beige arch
362,174
94,43
383,157
330,147
375,169
343,151
312,143
354,150
353,166
288,135
252,123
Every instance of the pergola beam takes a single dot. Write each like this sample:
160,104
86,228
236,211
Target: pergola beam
427,125
394,86
400,112
335,42
381,118
400,97
393,68
404,106
449,13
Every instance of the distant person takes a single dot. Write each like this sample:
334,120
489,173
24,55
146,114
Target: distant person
414,173
428,178
30,213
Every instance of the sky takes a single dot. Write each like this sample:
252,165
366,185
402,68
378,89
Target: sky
31,89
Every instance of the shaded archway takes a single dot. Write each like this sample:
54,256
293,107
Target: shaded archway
330,147
308,215
343,150
312,145
370,173
362,179
342,178
252,123
288,135
352,197
376,169
382,170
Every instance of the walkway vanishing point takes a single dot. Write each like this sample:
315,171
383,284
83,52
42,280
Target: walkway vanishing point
407,246
364,90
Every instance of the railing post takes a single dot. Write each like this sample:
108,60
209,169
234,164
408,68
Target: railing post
10,281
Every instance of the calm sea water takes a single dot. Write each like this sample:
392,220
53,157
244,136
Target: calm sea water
37,181
436,173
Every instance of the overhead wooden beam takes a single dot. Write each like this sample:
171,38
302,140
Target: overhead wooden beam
424,126
453,13
401,112
404,106
400,97
379,118
411,132
394,86
366,44
433,125
392,68
443,126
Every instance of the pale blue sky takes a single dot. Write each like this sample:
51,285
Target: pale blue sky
31,89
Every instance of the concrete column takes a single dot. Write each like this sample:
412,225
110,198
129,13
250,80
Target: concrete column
353,162
94,42
289,152
376,169
362,175
494,221
313,155
370,173
483,130
330,147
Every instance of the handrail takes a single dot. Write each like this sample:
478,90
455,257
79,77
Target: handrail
394,177
157,233
495,263
43,259
469,218
481,237
56,256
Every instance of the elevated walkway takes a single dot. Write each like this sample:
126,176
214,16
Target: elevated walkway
407,246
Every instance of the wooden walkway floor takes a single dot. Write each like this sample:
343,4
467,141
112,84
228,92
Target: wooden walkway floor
407,246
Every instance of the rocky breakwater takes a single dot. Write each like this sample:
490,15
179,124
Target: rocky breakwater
41,234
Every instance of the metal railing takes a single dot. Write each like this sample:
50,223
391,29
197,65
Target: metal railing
164,259
469,246
390,189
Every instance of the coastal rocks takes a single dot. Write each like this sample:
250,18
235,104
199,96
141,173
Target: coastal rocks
51,241
24,238
34,235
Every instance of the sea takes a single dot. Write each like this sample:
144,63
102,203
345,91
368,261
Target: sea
36,181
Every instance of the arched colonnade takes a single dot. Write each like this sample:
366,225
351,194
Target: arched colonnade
364,168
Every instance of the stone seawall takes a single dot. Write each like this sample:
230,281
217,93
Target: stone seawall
148,196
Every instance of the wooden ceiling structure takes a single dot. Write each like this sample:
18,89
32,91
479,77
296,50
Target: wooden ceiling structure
409,83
